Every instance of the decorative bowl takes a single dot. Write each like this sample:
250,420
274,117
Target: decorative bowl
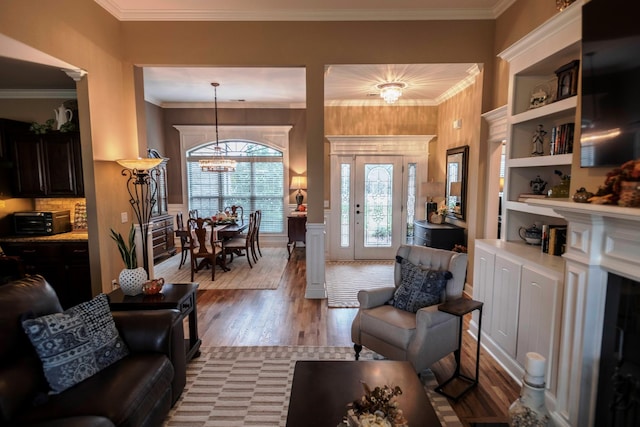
153,287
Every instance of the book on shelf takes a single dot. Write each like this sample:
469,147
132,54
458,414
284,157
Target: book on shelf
524,196
561,141
554,239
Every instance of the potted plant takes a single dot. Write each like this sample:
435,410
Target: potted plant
132,278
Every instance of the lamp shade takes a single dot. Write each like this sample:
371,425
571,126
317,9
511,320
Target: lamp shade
299,182
139,164
433,189
456,189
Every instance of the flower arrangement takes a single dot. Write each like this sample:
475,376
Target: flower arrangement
376,408
459,248
611,192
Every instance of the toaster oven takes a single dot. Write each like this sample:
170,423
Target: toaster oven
41,223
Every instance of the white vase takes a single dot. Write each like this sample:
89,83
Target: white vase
131,280
529,409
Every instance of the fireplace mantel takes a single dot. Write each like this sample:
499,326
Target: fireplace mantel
601,239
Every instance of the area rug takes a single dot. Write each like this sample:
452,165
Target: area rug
251,386
345,278
265,274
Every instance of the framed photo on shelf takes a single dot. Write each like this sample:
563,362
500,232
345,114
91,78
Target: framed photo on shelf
567,80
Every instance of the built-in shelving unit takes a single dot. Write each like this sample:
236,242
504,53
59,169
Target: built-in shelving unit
533,62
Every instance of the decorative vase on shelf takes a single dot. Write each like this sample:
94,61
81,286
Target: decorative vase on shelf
530,409
132,280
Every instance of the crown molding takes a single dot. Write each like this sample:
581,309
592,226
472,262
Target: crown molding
207,14
38,94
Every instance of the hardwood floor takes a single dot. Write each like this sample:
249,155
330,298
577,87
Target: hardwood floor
284,317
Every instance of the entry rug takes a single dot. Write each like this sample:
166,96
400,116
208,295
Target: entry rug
345,278
251,386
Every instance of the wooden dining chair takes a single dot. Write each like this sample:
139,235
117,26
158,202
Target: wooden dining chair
193,213
242,242
185,239
205,249
257,232
237,211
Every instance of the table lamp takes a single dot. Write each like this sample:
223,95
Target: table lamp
432,189
299,183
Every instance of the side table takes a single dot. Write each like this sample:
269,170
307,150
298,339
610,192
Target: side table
459,308
296,231
180,296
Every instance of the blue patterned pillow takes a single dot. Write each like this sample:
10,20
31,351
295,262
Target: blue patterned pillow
419,287
77,343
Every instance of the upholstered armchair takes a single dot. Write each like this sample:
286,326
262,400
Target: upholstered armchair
423,337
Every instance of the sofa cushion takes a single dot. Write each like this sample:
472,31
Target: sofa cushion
419,287
77,343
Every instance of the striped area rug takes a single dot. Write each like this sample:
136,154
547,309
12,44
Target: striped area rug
251,386
345,278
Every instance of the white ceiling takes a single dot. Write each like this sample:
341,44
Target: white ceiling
427,84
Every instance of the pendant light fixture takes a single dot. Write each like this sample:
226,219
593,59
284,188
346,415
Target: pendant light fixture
219,162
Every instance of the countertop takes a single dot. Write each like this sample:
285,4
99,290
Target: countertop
72,236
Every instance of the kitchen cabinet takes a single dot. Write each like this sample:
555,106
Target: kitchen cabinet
522,304
65,265
7,129
439,236
48,165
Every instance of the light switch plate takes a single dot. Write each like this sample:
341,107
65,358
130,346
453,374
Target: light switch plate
124,217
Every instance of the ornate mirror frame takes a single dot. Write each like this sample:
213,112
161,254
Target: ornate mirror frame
456,187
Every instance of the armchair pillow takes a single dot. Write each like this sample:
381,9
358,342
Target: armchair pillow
419,287
77,343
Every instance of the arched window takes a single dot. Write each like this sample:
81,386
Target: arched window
257,183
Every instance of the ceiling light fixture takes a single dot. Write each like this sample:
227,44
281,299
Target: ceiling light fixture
219,162
390,92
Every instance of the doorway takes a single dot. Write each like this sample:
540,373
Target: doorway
377,206
375,182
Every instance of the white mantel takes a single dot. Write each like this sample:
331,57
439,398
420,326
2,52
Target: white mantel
600,239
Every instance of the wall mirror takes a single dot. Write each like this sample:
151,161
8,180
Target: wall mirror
456,188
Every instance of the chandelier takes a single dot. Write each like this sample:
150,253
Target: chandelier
390,92
219,161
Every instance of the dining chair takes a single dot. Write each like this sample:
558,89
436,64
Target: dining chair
237,211
257,231
185,239
194,214
236,244
204,247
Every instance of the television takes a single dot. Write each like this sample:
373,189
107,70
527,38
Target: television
610,128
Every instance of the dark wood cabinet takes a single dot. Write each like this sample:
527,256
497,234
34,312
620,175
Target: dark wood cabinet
48,165
65,265
163,237
7,129
296,230
439,236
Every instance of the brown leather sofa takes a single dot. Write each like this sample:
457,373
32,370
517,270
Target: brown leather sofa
136,391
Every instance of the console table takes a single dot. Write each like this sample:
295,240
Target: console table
439,236
297,231
179,296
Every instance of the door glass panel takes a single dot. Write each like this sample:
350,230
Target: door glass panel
378,205
411,200
345,203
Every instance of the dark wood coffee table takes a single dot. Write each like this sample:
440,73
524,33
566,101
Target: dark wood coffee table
321,391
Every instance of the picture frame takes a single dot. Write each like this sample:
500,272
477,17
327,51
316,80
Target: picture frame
567,80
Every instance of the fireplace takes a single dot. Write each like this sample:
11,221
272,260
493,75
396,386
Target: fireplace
618,403
600,328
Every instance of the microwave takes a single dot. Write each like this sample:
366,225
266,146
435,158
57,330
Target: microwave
41,223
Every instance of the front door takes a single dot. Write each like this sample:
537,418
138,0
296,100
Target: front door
377,206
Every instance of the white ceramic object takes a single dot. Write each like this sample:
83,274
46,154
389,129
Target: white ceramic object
132,280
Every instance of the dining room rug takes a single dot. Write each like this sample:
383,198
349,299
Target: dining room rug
345,278
251,386
265,274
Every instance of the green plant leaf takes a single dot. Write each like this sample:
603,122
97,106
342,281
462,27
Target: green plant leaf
128,253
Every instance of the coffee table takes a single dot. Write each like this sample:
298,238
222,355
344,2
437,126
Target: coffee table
322,389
